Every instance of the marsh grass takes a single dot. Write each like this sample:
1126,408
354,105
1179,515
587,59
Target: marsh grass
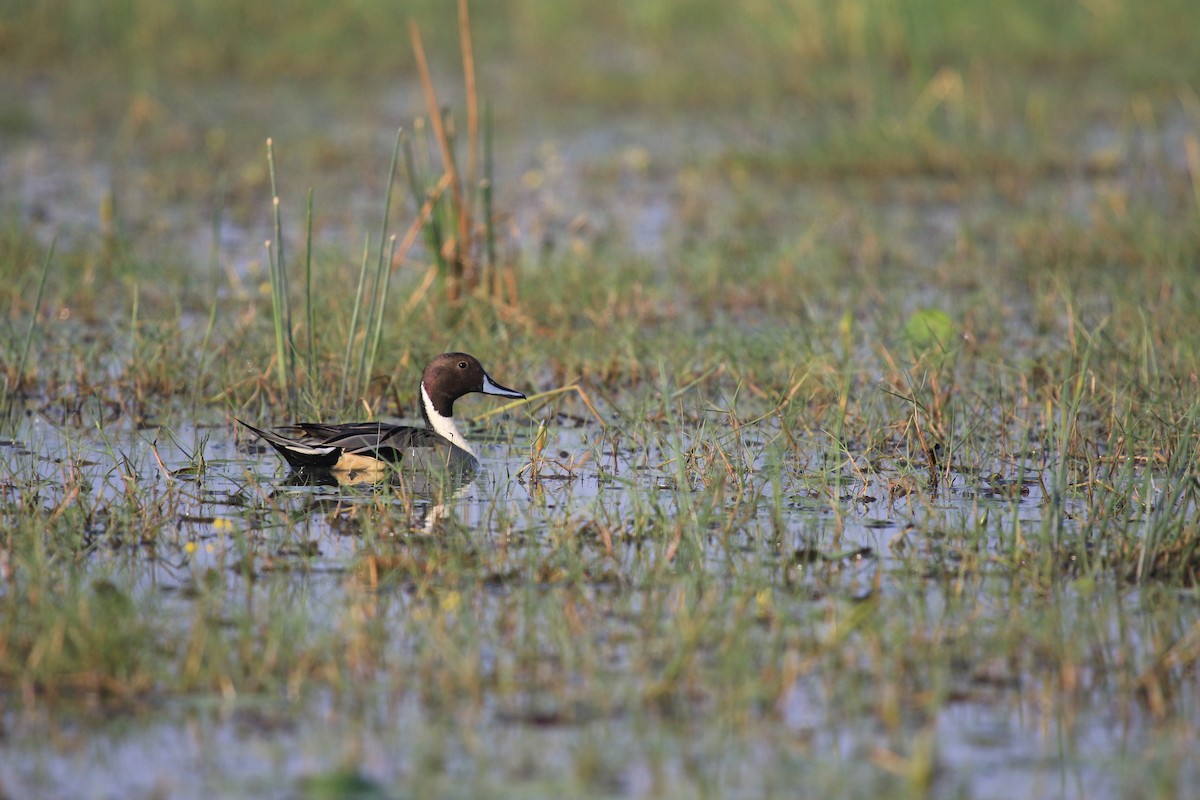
854,52
748,534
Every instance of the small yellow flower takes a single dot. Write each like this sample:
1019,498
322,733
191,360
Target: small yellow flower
764,603
190,548
451,601
222,524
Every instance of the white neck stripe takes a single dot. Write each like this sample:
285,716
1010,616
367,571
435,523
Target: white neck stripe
444,426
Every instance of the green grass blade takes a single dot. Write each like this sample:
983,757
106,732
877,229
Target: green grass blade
308,296
382,272
485,192
19,378
284,346
377,332
358,298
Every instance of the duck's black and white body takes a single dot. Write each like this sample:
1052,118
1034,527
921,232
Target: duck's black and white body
373,446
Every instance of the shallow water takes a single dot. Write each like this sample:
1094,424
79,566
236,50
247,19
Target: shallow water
1005,733
258,751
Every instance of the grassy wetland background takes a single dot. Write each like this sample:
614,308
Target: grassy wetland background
861,456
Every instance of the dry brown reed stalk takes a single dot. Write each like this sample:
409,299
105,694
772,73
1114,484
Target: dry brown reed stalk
467,251
454,249
468,60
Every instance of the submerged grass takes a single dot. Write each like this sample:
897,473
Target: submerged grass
851,484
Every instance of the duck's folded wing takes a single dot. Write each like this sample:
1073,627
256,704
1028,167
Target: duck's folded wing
364,438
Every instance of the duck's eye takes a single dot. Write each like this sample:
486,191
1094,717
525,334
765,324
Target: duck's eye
462,365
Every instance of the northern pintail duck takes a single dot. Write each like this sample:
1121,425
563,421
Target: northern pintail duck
371,446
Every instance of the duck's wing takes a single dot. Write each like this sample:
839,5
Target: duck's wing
315,445
387,442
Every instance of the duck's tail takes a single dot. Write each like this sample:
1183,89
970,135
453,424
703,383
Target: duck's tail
299,454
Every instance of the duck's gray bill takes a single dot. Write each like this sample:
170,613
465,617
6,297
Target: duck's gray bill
491,387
